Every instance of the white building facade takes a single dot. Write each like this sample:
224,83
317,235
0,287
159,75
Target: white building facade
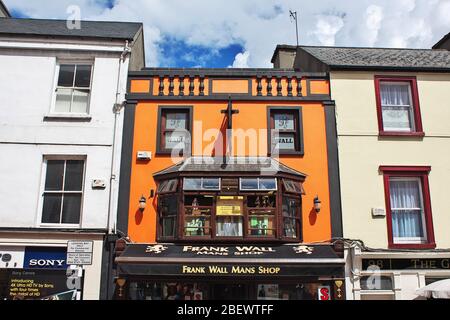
61,100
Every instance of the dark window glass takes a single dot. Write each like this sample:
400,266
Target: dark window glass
267,184
249,184
291,212
52,208
71,209
211,184
54,176
66,75
192,184
168,210
83,76
74,175
62,201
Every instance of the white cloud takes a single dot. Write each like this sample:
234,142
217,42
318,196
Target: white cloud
241,60
374,17
327,27
260,25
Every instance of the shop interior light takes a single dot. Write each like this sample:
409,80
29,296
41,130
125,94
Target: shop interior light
317,204
142,203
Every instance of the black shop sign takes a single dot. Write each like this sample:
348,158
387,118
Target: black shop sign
406,264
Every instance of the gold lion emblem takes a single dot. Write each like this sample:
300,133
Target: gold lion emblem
303,249
156,249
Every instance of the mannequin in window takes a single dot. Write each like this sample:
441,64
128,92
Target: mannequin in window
262,292
229,228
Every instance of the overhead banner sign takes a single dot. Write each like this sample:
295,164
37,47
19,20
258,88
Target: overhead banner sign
219,260
404,264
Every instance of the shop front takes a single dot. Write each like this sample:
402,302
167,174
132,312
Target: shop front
396,275
38,273
230,272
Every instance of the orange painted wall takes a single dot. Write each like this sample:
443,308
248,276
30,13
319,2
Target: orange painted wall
252,115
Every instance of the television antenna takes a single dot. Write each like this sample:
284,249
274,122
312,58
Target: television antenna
293,16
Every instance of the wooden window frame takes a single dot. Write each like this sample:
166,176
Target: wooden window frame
409,172
161,130
278,219
418,129
298,130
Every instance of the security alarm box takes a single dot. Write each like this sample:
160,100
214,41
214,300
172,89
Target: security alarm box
144,155
378,212
98,184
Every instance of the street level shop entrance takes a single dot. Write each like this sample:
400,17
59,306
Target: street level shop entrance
218,272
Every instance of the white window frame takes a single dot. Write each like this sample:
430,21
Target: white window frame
410,107
258,181
56,87
201,184
410,240
47,158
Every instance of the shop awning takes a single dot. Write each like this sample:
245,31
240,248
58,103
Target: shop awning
238,260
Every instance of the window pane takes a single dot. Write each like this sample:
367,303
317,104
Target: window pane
80,101
397,118
168,227
66,74
192,184
229,226
74,175
51,208
284,141
259,226
176,120
211,184
83,76
71,208
54,175
291,207
168,205
284,121
267,184
176,139
249,184
395,94
197,226
289,228
407,208
63,100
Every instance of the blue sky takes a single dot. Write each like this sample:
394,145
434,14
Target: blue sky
244,33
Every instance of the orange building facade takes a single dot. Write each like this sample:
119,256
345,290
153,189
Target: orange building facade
229,173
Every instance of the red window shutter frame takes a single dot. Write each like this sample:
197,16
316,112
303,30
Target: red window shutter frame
418,132
409,171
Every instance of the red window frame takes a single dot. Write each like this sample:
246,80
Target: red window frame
418,129
413,172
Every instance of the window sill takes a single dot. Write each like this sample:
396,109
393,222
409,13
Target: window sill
59,226
68,117
412,246
401,134
287,153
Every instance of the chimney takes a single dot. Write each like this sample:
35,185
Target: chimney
284,56
443,44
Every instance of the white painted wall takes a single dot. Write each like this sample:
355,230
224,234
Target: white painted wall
361,153
27,84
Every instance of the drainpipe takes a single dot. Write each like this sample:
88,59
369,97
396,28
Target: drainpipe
116,109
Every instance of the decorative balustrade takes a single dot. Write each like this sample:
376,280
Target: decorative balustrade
262,83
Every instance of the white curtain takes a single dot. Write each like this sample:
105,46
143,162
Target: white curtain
395,94
395,101
407,209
